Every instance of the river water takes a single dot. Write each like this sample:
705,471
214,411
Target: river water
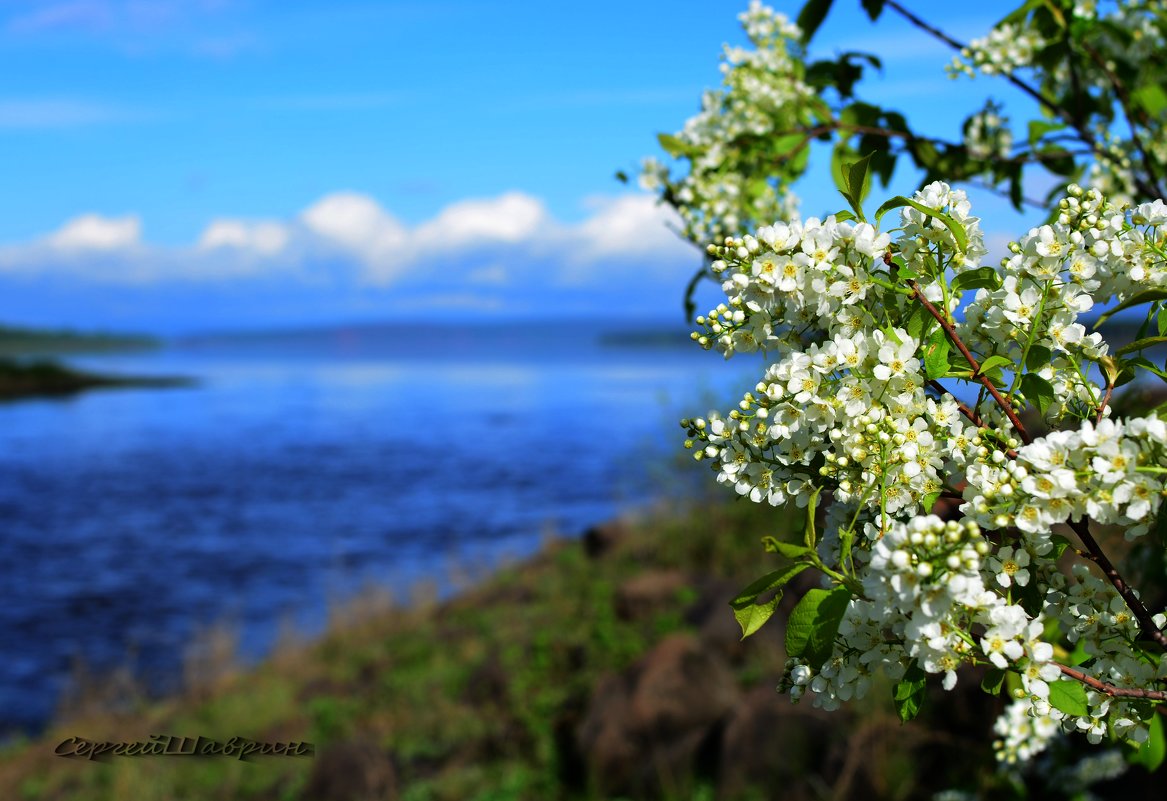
302,467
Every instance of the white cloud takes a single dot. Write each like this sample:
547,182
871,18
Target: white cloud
513,217
356,223
263,238
627,225
93,232
505,244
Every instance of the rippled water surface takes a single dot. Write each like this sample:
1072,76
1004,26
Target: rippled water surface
299,468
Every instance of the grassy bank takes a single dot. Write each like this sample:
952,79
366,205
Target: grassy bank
607,667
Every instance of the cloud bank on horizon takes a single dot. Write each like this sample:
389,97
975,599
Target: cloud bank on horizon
347,256
175,164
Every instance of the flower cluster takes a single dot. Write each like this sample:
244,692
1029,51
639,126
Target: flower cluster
1093,253
927,590
855,407
987,134
729,141
1022,734
1096,620
1112,472
1005,49
793,276
859,329
1118,42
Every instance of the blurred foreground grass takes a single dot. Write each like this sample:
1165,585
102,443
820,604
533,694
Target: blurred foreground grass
607,667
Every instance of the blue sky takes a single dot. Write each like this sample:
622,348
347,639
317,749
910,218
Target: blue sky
180,165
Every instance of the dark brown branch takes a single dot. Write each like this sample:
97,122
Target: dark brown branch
1098,556
954,338
1110,689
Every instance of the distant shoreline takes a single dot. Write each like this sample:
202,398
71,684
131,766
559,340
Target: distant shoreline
21,379
19,341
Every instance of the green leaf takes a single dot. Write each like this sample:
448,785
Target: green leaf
811,629
675,147
1151,97
909,693
784,146
1161,322
1038,357
1161,523
858,184
958,232
1143,364
1146,296
1151,753
1039,128
1140,344
811,17
1016,190
883,163
751,613
790,550
1060,544
1079,656
929,501
1068,696
993,681
873,8
918,321
980,278
1037,390
1057,160
994,362
810,536
622,176
936,355
846,541
756,188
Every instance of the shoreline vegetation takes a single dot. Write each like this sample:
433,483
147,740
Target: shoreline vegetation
30,365
48,378
607,666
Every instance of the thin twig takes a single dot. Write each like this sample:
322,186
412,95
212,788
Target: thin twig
1066,115
1110,689
1149,187
1050,104
955,339
988,187
1105,399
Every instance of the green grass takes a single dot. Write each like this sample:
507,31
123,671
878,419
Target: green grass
471,697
